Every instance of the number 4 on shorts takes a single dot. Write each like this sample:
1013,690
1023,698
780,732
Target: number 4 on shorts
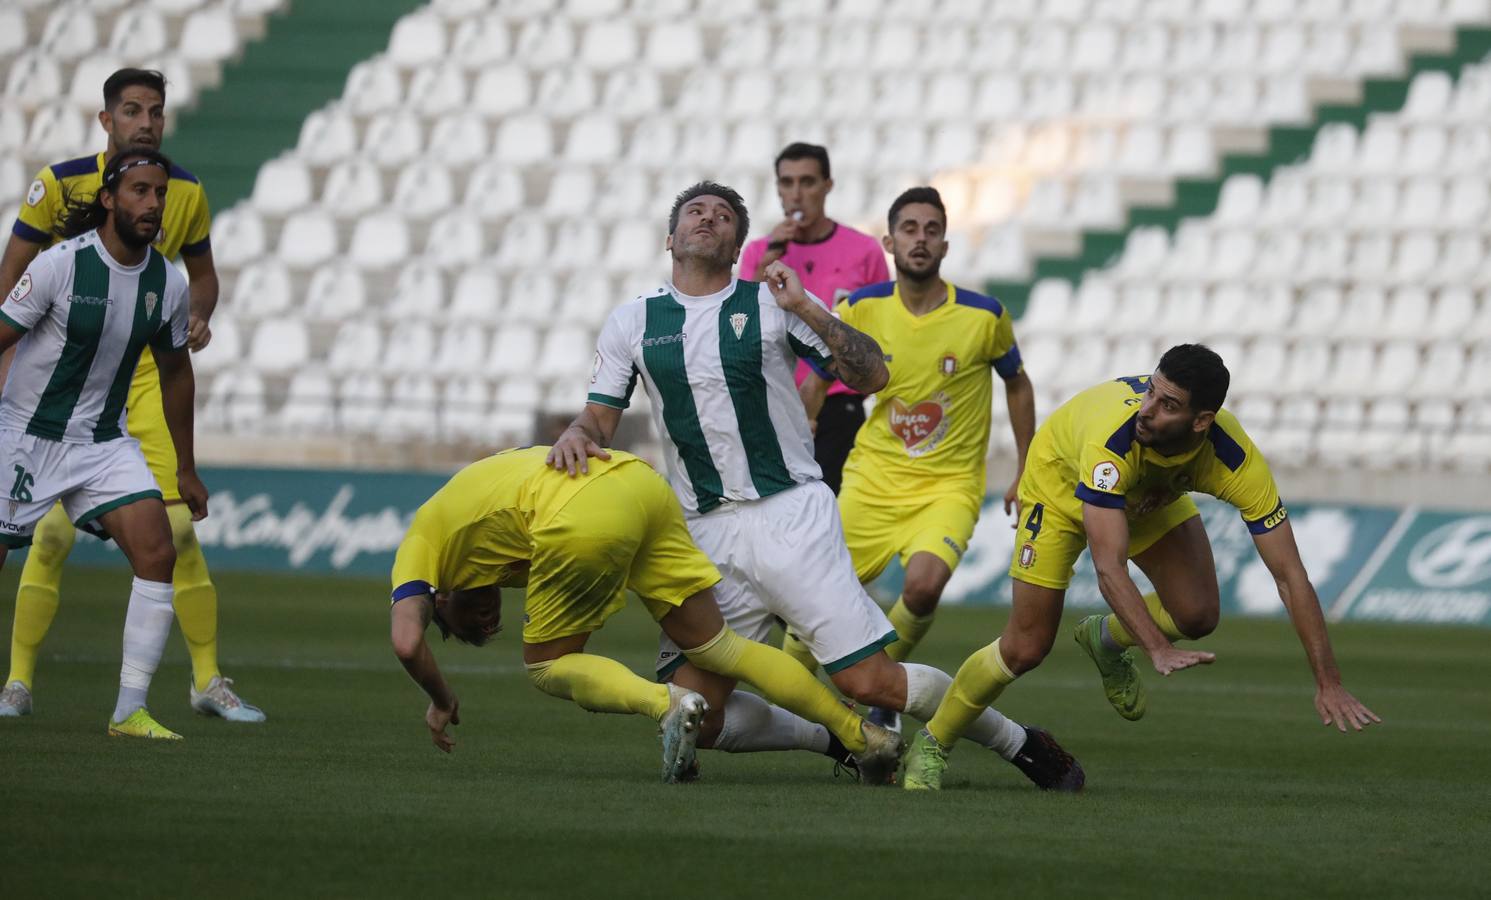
21,490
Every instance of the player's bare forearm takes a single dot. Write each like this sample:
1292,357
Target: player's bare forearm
813,391
19,253
585,437
1280,554
178,390
598,422
857,358
202,285
410,618
1108,539
1019,398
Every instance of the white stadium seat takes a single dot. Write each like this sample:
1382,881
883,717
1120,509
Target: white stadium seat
279,345
307,239
69,33
336,293
353,188
262,290
209,35
380,241
329,135
34,80
282,186
418,38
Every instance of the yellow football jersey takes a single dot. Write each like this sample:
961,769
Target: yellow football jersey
1086,452
185,224
476,530
929,432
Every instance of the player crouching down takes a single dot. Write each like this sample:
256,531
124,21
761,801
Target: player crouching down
579,545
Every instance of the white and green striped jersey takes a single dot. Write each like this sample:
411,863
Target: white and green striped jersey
719,372
86,318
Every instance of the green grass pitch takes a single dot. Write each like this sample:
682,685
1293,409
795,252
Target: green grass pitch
1230,786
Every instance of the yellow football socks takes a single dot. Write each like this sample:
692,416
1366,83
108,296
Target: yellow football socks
793,646
195,599
39,592
910,629
781,681
1156,611
600,684
979,682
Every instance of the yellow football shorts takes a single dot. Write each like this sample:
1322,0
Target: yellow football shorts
623,530
145,419
1049,540
876,531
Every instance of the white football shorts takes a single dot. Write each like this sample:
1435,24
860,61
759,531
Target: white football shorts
89,479
784,556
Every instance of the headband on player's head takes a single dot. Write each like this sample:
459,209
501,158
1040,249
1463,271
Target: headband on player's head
134,164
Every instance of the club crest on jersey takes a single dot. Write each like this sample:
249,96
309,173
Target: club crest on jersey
948,364
595,368
1027,555
1105,476
36,193
151,299
738,323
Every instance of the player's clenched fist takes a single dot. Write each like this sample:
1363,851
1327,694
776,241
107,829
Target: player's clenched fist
785,286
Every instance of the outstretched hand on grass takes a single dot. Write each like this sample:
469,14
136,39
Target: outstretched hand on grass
1337,707
437,719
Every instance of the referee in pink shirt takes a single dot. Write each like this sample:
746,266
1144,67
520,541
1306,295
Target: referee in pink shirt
832,260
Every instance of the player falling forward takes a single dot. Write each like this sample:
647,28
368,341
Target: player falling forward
914,483
1113,469
80,317
716,356
579,546
133,114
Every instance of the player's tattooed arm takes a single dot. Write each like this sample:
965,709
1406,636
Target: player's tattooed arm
857,358
411,616
585,437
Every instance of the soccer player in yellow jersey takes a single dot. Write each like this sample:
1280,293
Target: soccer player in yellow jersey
579,545
914,483
1113,469
133,115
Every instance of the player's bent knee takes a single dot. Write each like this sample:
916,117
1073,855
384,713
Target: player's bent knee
872,681
51,546
1197,624
1020,656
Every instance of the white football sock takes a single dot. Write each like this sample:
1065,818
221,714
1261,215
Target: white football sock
751,724
147,624
924,689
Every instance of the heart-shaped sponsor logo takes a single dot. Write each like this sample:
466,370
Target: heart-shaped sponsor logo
920,427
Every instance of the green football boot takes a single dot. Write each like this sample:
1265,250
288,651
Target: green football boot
1121,681
925,763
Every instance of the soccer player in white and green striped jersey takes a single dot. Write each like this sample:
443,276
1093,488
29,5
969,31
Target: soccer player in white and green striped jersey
79,318
716,355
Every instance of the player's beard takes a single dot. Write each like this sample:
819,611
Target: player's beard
931,273
720,258
127,228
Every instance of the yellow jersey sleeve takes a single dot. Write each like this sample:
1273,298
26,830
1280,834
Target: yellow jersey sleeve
1240,476
196,240
1105,471
41,209
416,565
1004,353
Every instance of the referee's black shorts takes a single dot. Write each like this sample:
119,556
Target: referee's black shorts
838,423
